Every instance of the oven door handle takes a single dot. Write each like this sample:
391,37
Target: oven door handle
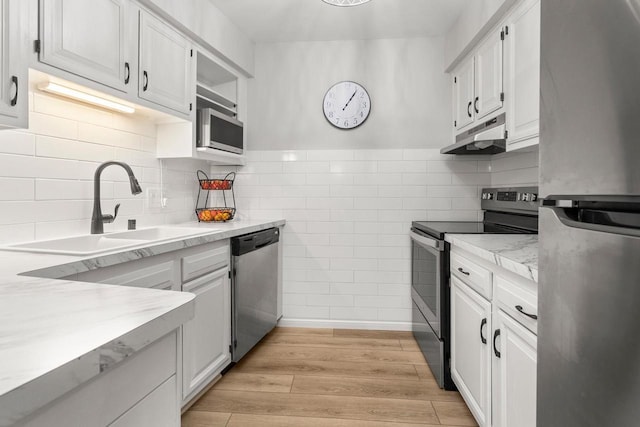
426,241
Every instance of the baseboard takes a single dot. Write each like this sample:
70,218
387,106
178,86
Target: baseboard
345,324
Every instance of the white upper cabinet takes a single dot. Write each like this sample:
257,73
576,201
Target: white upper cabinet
488,85
463,94
14,106
478,83
522,72
165,73
514,374
91,39
471,349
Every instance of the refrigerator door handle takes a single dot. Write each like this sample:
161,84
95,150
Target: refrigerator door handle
562,216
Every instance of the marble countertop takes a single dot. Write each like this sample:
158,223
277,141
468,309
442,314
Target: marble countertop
57,334
515,252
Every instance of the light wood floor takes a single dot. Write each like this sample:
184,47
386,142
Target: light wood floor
300,377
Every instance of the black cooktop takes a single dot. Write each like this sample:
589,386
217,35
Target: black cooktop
438,229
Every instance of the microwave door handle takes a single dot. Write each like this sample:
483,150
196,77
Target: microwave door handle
425,241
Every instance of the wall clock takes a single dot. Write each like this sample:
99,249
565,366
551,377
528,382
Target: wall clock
346,105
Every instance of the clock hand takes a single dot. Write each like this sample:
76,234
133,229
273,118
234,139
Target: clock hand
349,101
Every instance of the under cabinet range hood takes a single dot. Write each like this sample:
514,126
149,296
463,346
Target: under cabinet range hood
486,138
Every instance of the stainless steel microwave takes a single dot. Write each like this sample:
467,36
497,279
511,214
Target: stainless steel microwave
219,131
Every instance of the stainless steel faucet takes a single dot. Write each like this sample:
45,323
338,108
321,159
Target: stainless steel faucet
97,218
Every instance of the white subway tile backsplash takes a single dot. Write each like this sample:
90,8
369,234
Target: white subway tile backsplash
59,107
106,136
46,172
330,300
387,155
360,166
448,166
406,166
351,236
354,288
16,189
332,155
262,167
64,189
17,233
44,124
377,179
306,167
353,313
17,142
306,312
59,148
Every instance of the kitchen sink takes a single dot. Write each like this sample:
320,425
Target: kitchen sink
158,233
80,246
93,244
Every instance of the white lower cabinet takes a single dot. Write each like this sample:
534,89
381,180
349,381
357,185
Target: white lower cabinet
470,349
207,337
204,271
493,355
514,374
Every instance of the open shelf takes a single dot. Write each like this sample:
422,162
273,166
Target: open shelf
206,98
214,96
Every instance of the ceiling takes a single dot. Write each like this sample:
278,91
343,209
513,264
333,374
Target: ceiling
310,20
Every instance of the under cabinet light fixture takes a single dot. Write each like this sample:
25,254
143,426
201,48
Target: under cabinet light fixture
85,97
345,2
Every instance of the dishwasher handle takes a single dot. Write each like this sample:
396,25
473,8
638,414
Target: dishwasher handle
252,242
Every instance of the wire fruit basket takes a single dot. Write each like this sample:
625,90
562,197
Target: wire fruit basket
206,185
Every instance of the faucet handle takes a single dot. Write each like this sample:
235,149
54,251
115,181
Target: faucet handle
110,218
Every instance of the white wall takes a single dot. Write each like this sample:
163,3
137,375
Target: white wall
410,97
46,172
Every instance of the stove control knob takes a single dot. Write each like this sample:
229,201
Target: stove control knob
529,197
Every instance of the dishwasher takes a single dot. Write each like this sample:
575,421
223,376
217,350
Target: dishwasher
254,289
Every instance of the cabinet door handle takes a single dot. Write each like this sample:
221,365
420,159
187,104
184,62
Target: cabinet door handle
482,325
466,273
14,100
496,334
475,104
469,109
145,76
521,310
128,71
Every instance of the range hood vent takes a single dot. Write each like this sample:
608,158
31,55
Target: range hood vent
486,138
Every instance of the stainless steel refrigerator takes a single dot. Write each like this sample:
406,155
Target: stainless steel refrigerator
589,294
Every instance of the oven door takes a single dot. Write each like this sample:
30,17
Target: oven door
427,278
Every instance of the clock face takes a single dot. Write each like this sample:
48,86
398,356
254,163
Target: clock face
346,105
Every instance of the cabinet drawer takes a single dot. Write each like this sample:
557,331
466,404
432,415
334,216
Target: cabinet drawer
478,278
102,400
518,302
157,276
205,261
158,272
158,409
